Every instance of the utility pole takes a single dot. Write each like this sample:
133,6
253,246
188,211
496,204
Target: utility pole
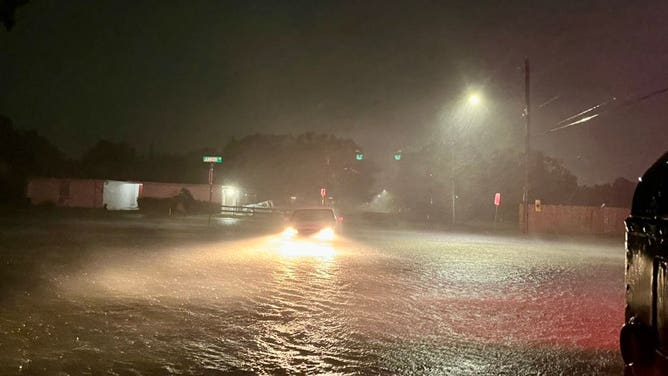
527,113
453,184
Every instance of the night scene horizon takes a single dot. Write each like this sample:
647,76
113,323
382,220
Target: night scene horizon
183,76
358,187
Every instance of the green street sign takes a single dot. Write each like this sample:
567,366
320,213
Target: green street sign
212,159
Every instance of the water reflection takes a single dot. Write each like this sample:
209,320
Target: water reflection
301,306
304,248
209,271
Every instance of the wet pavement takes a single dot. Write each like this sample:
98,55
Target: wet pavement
138,297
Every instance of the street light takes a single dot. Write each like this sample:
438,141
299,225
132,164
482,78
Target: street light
473,101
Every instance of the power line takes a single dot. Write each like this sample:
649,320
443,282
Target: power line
603,106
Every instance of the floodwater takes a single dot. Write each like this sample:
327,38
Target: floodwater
117,298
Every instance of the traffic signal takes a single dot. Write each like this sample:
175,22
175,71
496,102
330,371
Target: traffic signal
397,156
359,155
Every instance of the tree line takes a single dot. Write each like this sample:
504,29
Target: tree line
423,182
276,167
285,167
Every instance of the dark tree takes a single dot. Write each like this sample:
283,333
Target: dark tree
109,160
24,154
8,12
284,166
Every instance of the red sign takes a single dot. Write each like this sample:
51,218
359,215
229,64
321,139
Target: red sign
323,192
497,199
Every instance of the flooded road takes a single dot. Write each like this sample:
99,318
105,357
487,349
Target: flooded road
129,298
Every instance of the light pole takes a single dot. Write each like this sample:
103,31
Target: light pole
525,193
473,100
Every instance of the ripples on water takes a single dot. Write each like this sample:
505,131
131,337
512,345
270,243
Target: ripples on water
265,305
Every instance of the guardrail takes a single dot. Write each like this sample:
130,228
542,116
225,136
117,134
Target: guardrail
251,210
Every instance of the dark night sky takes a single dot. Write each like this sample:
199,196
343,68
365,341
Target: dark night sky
186,74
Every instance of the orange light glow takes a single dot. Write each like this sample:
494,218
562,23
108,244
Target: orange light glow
306,248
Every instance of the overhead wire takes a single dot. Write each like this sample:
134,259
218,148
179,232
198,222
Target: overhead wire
602,108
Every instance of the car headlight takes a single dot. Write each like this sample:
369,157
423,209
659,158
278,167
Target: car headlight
289,232
325,234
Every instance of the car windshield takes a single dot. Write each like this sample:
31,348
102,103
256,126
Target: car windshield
313,215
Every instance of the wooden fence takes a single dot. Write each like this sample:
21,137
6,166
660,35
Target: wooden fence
563,219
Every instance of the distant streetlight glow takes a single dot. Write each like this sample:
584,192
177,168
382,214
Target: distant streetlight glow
474,99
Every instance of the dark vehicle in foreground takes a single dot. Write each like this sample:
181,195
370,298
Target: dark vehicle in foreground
320,223
644,336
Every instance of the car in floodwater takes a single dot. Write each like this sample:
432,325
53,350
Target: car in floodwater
644,336
320,223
